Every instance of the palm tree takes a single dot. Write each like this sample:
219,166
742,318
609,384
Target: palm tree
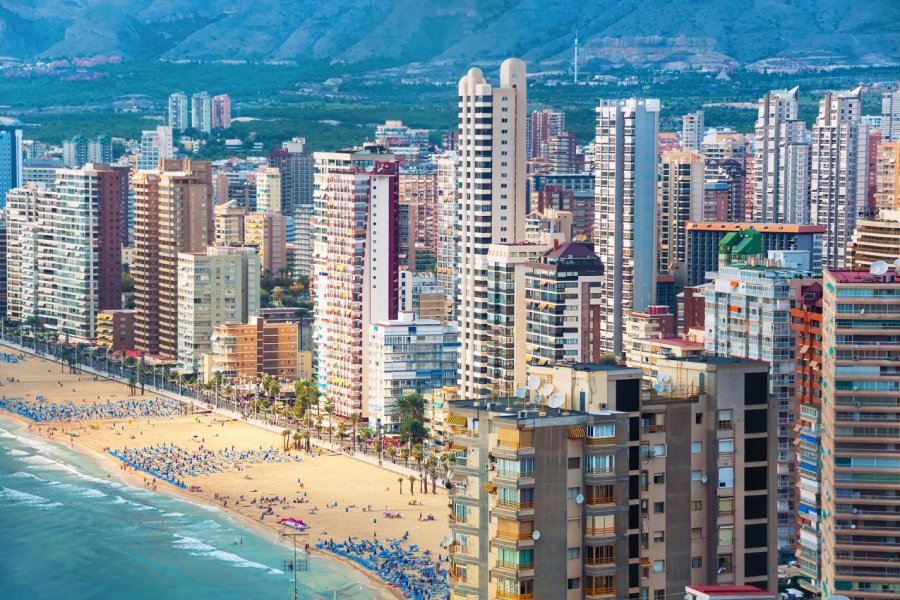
297,437
329,410
392,454
306,436
319,427
214,383
400,479
410,406
342,432
412,480
132,382
284,434
418,454
404,454
354,418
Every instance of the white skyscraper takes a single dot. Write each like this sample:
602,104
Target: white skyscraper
492,126
625,231
179,114
201,112
692,131
268,189
838,187
782,161
155,144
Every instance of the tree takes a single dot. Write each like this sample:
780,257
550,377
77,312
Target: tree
297,437
284,434
354,419
132,382
400,479
418,454
412,481
409,406
318,426
392,454
329,410
404,454
412,430
342,432
609,359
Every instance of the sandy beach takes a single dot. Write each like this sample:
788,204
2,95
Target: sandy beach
341,496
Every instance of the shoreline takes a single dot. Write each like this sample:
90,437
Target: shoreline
112,467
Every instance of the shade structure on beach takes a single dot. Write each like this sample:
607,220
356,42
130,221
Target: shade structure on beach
294,523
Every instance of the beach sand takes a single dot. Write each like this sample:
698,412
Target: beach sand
326,479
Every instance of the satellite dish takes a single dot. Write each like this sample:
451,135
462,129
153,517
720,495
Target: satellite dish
520,393
879,267
897,263
704,479
532,382
579,499
658,387
556,400
546,389
536,535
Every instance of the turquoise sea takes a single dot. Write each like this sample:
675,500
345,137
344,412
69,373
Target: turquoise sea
67,530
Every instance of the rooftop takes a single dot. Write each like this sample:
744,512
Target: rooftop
850,276
10,122
761,227
679,342
722,591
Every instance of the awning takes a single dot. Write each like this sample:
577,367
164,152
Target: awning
454,447
490,487
645,562
456,420
459,479
804,348
576,432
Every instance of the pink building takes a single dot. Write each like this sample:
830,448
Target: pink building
221,112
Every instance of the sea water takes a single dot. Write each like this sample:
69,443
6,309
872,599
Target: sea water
67,530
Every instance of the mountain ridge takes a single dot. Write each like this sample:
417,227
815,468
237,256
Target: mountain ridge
638,33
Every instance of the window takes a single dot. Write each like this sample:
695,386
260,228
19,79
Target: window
696,447
726,446
698,418
659,566
725,417
726,506
696,505
659,536
659,450
573,583
726,477
726,535
726,564
696,533
573,492
573,554
575,462
574,524
696,475
696,562
659,507
659,594
659,478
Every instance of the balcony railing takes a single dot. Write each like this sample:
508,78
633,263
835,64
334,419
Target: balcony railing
514,535
602,441
503,564
594,500
599,560
456,577
600,530
514,596
598,591
600,470
514,505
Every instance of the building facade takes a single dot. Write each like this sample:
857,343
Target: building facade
246,351
10,156
625,234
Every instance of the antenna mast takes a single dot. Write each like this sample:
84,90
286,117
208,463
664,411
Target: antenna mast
576,57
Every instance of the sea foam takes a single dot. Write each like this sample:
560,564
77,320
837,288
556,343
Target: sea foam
199,548
26,499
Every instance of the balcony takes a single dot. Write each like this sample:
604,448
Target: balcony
514,596
599,500
517,568
599,531
602,441
595,592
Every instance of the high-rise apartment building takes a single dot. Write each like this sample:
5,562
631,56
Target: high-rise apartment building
245,350
408,355
887,176
201,112
538,502
179,112
219,286
65,261
355,267
681,200
421,295
10,156
562,305
569,192
860,461
78,151
266,231
625,234
561,153
173,214
447,270
729,177
876,239
229,224
303,240
268,189
297,167
156,145
806,324
748,315
781,162
221,111
418,208
890,115
540,125
838,187
491,190
692,131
